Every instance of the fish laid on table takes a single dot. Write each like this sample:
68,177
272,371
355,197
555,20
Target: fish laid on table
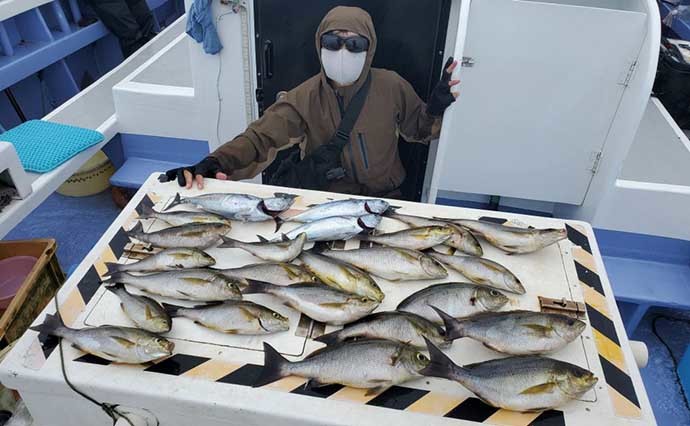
512,239
166,260
233,317
515,332
461,239
242,207
370,364
118,344
391,263
457,299
336,228
524,383
278,251
351,207
195,235
414,238
318,301
144,312
341,276
180,218
403,327
274,272
205,285
482,271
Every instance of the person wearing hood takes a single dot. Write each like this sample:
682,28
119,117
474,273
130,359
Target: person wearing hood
367,161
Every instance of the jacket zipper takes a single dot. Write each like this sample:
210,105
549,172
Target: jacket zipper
363,148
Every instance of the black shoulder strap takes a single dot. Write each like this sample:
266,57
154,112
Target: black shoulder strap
342,134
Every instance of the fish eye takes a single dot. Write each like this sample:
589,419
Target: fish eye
276,315
159,341
364,299
422,357
494,293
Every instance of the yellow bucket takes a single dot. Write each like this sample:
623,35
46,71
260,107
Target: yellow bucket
93,177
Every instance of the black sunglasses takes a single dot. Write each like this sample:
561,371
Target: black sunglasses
354,44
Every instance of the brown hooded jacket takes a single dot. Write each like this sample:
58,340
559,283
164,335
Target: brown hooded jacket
309,115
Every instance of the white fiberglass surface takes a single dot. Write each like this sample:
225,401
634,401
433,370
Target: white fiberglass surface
624,5
660,152
170,69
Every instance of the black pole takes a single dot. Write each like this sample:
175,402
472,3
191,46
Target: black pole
15,105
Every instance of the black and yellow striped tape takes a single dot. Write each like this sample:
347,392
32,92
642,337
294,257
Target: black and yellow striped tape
620,385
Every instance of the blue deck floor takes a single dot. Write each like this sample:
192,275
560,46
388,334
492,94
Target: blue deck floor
77,223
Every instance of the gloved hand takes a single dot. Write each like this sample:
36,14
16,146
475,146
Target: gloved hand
441,97
208,167
312,171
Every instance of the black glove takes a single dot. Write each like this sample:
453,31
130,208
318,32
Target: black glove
208,167
441,97
315,171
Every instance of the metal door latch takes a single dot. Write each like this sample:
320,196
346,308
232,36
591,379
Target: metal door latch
562,306
467,62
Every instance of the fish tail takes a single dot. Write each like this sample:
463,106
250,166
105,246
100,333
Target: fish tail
440,365
228,242
136,229
114,278
279,222
147,212
52,325
285,195
390,211
330,338
114,288
254,286
113,267
274,367
176,201
171,310
454,328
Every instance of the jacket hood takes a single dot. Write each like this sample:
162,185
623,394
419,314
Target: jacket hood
353,19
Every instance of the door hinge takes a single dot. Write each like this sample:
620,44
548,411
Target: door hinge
628,74
467,62
595,159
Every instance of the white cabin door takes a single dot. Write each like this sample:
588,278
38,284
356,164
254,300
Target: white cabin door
537,103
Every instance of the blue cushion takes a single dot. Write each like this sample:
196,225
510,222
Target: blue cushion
43,145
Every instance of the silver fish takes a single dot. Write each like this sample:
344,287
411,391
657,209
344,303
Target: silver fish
403,327
233,317
318,301
118,344
275,273
482,271
413,239
196,235
180,218
282,251
205,285
242,207
336,228
457,299
515,332
370,364
512,239
166,260
341,276
351,207
461,239
144,312
526,383
391,263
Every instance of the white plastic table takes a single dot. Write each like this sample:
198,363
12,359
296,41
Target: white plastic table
208,381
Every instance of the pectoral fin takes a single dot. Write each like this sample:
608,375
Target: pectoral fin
541,388
375,391
540,330
124,342
148,313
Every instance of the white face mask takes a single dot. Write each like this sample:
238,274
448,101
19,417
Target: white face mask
343,66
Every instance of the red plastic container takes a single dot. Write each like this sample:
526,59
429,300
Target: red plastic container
13,272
